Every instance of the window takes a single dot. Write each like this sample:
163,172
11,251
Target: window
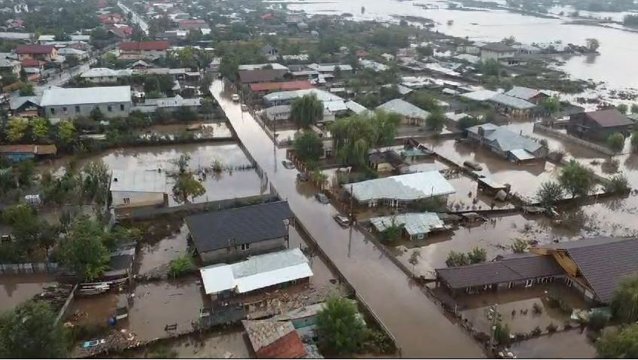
77,109
64,109
109,108
245,247
52,111
126,201
121,107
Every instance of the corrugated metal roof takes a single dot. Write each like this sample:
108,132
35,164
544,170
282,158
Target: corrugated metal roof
480,95
406,187
522,155
404,108
512,102
414,223
257,272
355,107
274,339
291,95
93,95
105,72
522,92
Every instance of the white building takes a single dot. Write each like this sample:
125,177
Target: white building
130,189
497,51
105,75
112,101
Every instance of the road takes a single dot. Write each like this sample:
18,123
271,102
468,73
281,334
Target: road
419,326
135,17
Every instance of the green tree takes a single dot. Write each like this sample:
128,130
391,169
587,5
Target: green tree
624,304
623,108
634,141
187,186
456,259
83,251
393,232
634,108
306,111
30,331
229,67
519,246
340,329
467,122
185,114
616,142
618,184
181,266
96,114
490,68
72,61
414,258
26,90
308,147
17,129
502,334
66,133
40,129
551,105
425,50
549,193
30,231
576,179
425,101
619,344
477,255
436,121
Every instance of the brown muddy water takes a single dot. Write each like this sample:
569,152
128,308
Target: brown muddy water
565,345
208,130
16,289
156,256
230,183
93,310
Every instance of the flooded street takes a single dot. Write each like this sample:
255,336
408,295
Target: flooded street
371,273
566,345
16,289
614,65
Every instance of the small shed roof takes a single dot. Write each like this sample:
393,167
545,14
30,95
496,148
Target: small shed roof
522,92
406,187
274,339
404,108
414,223
148,181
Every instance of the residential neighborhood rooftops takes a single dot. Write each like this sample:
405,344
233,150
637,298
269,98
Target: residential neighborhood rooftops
512,102
414,223
17,102
282,86
404,108
355,107
497,47
159,45
609,118
92,95
406,187
257,272
330,67
522,92
34,49
243,225
506,139
480,95
138,181
261,75
274,339
274,66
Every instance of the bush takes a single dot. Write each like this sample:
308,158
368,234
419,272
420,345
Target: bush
597,321
519,246
617,184
536,332
181,266
616,142
477,255
551,328
456,259
537,309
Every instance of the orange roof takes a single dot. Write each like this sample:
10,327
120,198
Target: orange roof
287,347
282,86
33,149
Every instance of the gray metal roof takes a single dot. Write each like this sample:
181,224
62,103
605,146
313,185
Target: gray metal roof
512,102
404,108
16,102
515,268
406,187
244,225
505,139
603,262
414,223
92,95
291,95
522,92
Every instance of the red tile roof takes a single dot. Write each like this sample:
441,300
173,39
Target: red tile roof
31,149
145,46
34,49
287,347
282,86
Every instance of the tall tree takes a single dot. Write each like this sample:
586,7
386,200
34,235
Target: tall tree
548,193
576,179
40,129
187,186
30,331
17,129
30,231
619,344
616,142
341,331
624,304
306,111
593,44
83,250
308,146
66,133
436,121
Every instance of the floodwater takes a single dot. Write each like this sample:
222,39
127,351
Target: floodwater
216,346
230,183
321,273
156,256
420,327
93,310
617,50
207,130
16,289
565,345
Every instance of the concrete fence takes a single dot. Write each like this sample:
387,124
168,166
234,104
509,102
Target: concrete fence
29,268
555,133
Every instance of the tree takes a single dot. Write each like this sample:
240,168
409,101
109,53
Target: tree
30,231
207,81
509,41
186,185
17,129
83,251
182,163
634,141
634,108
549,193
576,179
66,132
425,101
40,129
502,334
26,90
425,50
551,105
181,266
393,232
414,258
340,328
96,114
306,111
30,331
185,114
456,259
623,108
229,67
519,246
624,304
72,61
308,147
436,121
490,67
467,122
477,255
207,106
619,344
616,142
592,44
618,184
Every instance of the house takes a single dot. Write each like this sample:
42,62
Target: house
512,106
497,51
192,24
411,115
330,68
330,101
105,75
416,226
18,153
262,76
258,273
277,113
136,189
25,106
268,87
273,66
384,161
399,190
36,52
10,66
240,232
270,53
356,108
65,103
373,65
274,339
143,50
507,143
532,95
69,51
120,267
168,104
599,125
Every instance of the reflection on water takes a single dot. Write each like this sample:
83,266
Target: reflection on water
16,289
565,345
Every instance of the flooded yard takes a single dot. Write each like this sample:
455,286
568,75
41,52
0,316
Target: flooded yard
217,345
93,310
156,256
217,130
16,289
565,345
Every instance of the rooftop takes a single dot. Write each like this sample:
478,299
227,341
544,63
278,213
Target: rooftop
497,47
35,49
523,92
149,181
355,107
145,46
512,102
404,108
30,149
609,118
406,187
261,75
414,223
506,139
274,339
275,66
105,72
257,272
282,86
480,95
244,225
291,95
92,95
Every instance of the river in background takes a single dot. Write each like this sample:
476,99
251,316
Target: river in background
614,65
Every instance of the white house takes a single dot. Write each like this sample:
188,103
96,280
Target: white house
497,51
131,189
105,75
112,101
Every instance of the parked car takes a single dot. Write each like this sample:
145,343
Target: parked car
288,164
342,220
473,165
322,198
303,177
235,98
93,343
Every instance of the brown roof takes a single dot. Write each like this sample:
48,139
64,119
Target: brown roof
282,86
34,49
274,339
261,75
145,46
609,118
33,149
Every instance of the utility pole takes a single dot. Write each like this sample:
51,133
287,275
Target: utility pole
494,317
